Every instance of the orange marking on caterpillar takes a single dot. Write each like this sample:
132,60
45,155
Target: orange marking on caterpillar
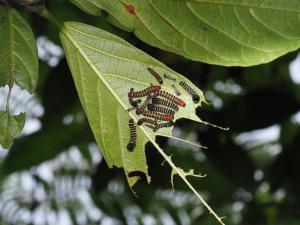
130,9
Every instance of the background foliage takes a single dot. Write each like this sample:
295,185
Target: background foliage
54,172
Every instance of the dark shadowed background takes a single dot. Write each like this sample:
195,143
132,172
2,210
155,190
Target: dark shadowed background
54,172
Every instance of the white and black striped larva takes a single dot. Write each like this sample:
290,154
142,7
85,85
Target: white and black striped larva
158,116
156,75
132,142
145,92
171,98
164,125
191,91
164,102
156,108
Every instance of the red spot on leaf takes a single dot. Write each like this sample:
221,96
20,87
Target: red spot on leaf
130,9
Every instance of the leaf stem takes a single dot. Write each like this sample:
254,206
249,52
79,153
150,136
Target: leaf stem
48,15
8,98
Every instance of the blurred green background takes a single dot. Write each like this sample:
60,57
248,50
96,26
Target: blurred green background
54,172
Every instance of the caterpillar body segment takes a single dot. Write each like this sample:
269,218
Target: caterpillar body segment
156,75
164,125
132,142
164,102
156,108
158,116
145,92
190,90
171,98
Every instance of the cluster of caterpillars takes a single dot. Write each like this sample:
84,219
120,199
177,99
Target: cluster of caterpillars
158,109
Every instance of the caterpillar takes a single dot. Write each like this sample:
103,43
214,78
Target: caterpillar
175,90
155,108
169,77
191,91
171,98
146,120
130,99
158,116
145,92
156,75
160,101
141,109
132,142
150,126
162,125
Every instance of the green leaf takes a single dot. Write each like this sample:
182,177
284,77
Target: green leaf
104,68
18,52
10,127
230,33
87,6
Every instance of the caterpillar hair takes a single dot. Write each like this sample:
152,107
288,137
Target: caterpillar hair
191,91
132,142
164,125
175,90
158,116
164,110
156,75
146,120
164,102
145,92
169,77
142,108
171,98
132,102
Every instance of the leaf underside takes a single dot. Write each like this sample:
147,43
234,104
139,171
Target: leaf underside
18,51
104,68
224,32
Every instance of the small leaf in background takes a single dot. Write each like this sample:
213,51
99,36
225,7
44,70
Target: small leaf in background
18,51
10,127
105,68
230,33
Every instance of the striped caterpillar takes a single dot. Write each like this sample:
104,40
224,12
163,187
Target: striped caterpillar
164,102
146,120
191,91
158,116
132,142
145,92
171,98
155,108
164,125
156,75
141,109
175,90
